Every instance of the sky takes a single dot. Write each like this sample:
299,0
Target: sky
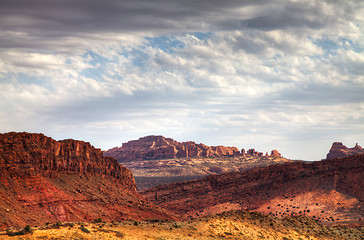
263,74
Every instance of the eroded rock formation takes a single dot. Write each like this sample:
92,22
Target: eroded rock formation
159,147
340,150
43,180
36,151
275,153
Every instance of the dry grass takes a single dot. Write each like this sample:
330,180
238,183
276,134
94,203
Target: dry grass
231,225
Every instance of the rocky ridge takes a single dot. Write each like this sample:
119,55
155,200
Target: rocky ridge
331,191
340,150
159,147
44,180
156,160
38,152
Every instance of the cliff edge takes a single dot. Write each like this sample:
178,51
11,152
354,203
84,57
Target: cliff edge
43,180
340,150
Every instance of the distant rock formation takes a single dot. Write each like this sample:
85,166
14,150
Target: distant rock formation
339,150
252,152
275,153
159,147
330,191
44,180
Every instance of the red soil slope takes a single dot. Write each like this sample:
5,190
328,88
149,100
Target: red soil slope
43,180
331,191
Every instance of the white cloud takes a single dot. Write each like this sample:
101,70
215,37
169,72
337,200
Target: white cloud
259,74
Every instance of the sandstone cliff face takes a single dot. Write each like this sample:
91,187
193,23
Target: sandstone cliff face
330,191
340,150
36,151
159,147
43,180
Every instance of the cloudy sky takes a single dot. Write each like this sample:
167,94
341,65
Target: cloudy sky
263,74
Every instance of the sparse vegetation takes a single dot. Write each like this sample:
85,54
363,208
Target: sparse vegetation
84,229
26,230
119,234
228,225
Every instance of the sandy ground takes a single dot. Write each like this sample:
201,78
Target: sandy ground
233,225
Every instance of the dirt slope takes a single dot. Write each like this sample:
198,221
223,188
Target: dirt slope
330,191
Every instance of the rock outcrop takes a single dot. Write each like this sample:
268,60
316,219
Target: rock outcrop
275,153
43,180
340,150
331,191
36,151
159,147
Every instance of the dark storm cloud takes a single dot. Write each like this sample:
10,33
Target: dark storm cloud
52,25
52,19
86,16
283,15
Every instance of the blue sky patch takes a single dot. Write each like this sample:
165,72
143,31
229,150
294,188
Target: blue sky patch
203,36
23,78
94,73
95,58
331,46
167,44
139,58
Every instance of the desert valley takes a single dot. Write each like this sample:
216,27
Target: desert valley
70,190
170,119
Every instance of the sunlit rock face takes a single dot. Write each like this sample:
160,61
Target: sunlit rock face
43,180
329,191
159,147
340,150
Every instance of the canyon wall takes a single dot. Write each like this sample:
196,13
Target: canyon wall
43,180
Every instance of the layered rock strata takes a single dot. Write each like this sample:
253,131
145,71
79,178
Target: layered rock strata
159,147
43,180
331,191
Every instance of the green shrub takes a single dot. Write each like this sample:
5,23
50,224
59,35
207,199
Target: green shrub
119,234
176,225
27,229
58,225
24,231
83,229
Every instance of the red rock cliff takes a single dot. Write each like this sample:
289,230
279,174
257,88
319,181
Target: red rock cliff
36,151
159,147
340,150
43,180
